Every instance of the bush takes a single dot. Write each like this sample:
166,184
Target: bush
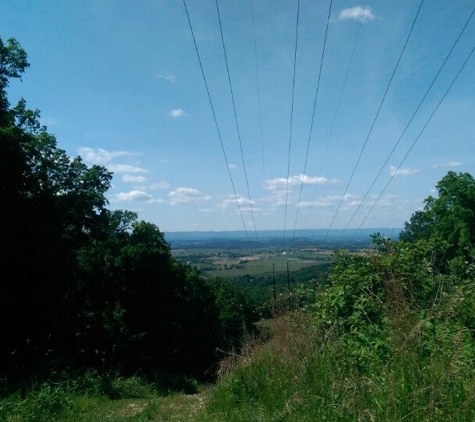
44,404
128,388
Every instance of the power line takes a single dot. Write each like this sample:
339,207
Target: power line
412,117
375,118
236,119
313,118
258,91
417,139
337,110
291,120
239,200
216,122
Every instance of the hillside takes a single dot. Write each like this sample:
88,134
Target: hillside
390,337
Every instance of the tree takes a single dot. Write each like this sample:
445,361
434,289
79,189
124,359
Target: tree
13,62
49,205
448,218
83,286
140,308
235,310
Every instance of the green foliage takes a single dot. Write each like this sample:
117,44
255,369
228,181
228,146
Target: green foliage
142,306
450,218
307,374
390,337
13,62
128,388
45,404
236,311
86,287
260,288
373,297
86,398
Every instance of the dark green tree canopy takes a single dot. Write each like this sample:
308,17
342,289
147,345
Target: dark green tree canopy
83,286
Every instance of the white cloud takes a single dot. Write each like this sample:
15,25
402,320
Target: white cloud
394,171
358,13
281,183
170,78
125,168
232,166
181,196
232,202
278,197
160,185
101,156
240,204
389,201
352,204
338,197
177,112
313,204
134,195
133,179
450,164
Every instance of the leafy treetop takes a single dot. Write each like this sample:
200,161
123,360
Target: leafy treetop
450,217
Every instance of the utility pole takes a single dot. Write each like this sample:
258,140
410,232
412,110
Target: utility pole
288,285
273,282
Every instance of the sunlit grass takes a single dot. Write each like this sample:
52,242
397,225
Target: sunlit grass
304,375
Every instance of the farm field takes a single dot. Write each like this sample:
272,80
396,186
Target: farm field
228,263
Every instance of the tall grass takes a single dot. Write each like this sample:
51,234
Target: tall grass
305,374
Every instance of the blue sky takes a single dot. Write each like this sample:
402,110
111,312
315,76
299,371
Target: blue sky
119,83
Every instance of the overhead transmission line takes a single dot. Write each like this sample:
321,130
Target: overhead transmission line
417,138
313,118
412,118
216,123
258,85
236,119
337,110
375,118
291,119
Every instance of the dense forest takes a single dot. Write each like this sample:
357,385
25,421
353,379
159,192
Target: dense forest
86,287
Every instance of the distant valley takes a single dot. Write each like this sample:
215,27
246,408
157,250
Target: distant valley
336,239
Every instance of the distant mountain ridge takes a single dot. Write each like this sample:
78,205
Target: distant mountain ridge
266,238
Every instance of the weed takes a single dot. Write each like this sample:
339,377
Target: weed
46,403
306,374
132,387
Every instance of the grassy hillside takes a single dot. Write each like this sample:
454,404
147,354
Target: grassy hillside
390,338
304,374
